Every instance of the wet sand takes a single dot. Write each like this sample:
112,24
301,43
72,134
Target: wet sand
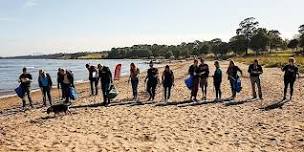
125,126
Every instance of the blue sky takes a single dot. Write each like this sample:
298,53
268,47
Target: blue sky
49,26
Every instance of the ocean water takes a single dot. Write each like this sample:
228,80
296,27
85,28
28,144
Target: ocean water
10,69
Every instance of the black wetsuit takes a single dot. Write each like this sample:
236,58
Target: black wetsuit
152,82
168,80
105,76
290,76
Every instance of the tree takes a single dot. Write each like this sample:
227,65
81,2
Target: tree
215,46
247,28
169,54
259,41
293,44
301,40
238,44
275,40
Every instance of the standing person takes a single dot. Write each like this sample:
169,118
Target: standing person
255,70
291,72
67,83
59,83
194,73
217,80
134,77
204,73
45,84
152,77
168,82
232,73
105,76
25,80
93,77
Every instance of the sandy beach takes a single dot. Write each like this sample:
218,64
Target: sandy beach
125,126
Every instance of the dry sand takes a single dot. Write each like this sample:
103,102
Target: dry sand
128,127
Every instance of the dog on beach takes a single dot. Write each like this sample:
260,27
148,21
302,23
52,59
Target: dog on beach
60,108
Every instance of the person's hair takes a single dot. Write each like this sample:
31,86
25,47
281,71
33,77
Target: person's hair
256,60
24,69
195,61
231,63
292,59
151,62
202,59
87,65
132,64
62,70
167,66
216,62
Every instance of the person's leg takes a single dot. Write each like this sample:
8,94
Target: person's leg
44,96
96,87
258,82
216,91
169,92
49,95
232,89
291,89
62,92
195,90
133,84
28,92
206,86
286,82
23,98
253,81
149,87
104,93
154,85
92,87
165,92
220,91
67,92
136,88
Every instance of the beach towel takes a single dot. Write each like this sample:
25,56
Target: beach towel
113,92
189,82
73,93
20,91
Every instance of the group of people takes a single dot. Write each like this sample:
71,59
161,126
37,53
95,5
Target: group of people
198,72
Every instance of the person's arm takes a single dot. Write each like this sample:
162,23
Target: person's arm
39,82
50,80
30,77
110,74
157,75
249,69
147,76
207,72
261,70
173,83
284,68
297,72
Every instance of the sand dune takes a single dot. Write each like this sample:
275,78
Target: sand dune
124,126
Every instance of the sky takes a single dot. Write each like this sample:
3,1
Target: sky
32,27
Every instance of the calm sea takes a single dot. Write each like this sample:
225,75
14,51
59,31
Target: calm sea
10,69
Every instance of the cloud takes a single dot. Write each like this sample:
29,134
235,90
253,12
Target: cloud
30,3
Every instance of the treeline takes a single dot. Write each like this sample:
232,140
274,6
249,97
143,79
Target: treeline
78,55
249,36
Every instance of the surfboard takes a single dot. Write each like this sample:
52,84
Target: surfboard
117,72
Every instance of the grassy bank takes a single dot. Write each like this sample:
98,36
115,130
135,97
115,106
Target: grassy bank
272,60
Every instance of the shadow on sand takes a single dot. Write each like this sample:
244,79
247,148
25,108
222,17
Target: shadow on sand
163,104
234,102
274,105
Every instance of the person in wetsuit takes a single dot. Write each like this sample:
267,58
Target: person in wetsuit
152,81
94,80
168,82
291,72
217,81
105,76
194,73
